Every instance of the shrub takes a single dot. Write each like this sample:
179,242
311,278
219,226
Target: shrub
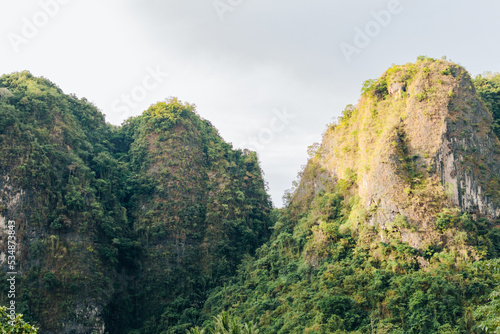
16,325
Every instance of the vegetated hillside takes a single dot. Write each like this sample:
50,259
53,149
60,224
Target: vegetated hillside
392,226
414,153
119,225
198,207
140,228
64,189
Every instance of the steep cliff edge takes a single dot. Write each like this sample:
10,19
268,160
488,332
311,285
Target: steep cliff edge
419,141
118,227
198,208
158,225
393,227
53,185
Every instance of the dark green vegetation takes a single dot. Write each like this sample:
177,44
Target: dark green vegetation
159,226
488,88
126,227
66,192
225,324
336,265
198,208
315,277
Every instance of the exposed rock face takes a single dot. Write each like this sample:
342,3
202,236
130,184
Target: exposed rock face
88,315
120,227
413,156
47,188
202,199
397,87
468,159
11,200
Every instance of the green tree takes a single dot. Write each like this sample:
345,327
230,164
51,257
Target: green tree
489,314
225,324
488,88
14,326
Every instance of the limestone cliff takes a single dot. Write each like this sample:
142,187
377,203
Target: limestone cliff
413,152
118,227
198,208
47,143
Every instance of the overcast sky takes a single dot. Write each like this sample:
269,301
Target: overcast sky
269,75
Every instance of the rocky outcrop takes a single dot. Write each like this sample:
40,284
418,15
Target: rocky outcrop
120,227
468,159
203,198
47,187
414,155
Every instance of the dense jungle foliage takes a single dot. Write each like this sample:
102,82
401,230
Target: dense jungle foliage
159,226
488,88
153,213
326,271
313,276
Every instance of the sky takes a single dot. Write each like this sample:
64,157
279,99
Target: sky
268,75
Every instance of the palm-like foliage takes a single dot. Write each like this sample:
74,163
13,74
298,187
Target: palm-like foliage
195,330
16,326
224,324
